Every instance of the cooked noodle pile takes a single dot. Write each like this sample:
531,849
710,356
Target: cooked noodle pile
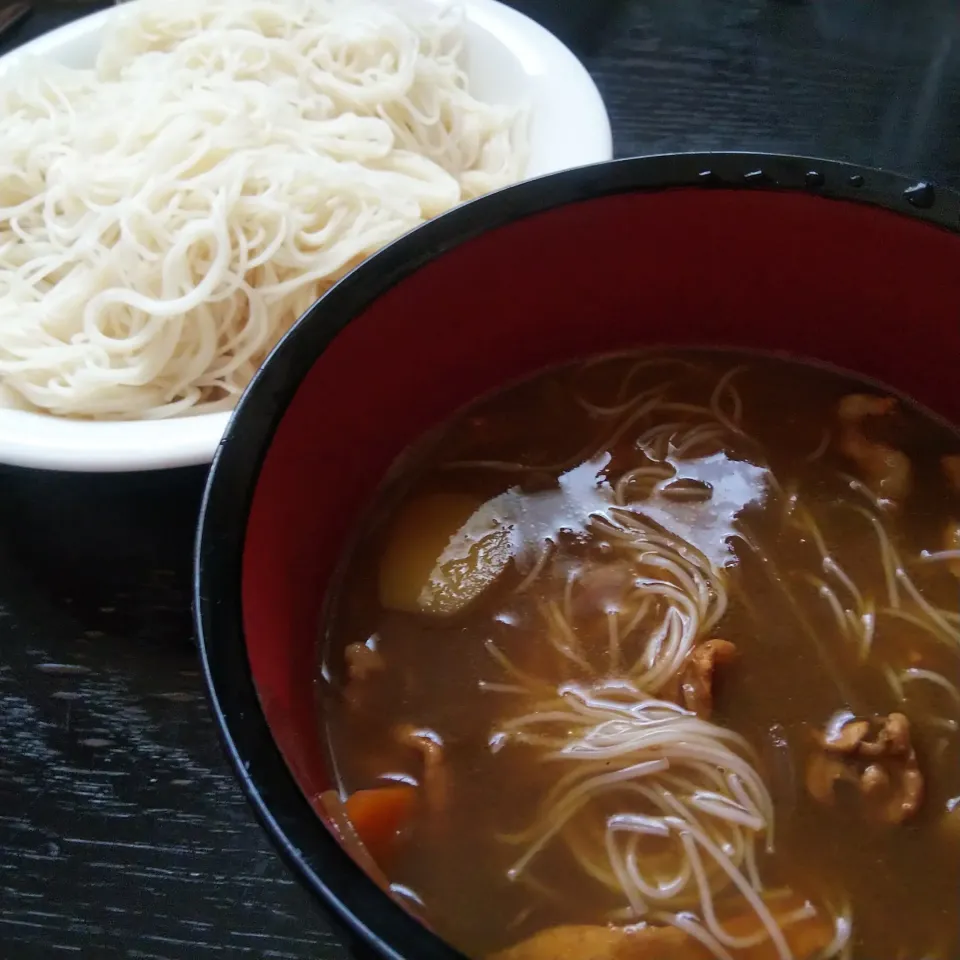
688,783
166,216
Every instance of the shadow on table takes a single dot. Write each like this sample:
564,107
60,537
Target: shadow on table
114,549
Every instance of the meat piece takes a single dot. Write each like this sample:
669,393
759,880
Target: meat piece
907,801
362,659
874,779
890,737
845,739
885,470
696,685
951,470
436,784
823,773
893,740
877,758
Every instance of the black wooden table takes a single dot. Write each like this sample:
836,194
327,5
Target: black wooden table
122,833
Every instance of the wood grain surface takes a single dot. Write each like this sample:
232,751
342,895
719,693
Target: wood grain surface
122,832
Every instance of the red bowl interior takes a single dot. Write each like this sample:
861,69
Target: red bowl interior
842,282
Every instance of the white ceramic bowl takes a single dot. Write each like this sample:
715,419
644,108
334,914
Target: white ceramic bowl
510,59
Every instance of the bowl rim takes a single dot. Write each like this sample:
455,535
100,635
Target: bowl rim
309,848
36,440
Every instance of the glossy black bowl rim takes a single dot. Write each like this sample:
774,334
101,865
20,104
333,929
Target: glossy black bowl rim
371,918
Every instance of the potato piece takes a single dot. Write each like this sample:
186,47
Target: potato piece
444,550
604,943
805,938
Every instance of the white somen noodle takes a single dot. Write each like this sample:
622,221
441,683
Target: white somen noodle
665,810
692,788
166,216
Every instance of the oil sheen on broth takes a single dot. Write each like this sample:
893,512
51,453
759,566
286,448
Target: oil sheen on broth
656,656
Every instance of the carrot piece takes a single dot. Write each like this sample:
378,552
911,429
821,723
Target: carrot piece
378,815
333,812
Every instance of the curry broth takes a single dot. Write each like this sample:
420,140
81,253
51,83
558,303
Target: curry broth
796,668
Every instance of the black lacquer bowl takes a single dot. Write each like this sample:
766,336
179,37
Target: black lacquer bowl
852,266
